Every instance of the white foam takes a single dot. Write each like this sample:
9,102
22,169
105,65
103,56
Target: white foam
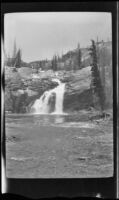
41,106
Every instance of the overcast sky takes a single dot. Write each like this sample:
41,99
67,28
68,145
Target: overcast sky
41,35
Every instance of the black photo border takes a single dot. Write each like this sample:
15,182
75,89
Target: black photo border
76,187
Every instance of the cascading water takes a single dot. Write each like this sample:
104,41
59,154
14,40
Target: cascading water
41,106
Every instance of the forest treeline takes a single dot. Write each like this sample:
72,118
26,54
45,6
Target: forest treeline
72,60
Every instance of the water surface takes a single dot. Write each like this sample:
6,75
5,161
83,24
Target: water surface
56,146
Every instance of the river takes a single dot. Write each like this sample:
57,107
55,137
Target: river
56,146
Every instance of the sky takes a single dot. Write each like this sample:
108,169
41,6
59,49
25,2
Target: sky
41,35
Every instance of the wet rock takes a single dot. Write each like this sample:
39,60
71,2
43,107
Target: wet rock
52,103
77,101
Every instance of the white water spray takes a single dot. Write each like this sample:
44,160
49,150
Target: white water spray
41,106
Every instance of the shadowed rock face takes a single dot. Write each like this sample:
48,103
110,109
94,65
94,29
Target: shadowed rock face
78,101
78,94
52,103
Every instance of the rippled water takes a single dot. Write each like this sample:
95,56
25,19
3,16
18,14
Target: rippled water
45,119
58,146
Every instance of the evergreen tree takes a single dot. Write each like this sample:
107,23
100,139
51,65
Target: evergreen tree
54,63
18,59
10,61
79,57
96,80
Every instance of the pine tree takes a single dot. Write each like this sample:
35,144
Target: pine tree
96,80
54,63
79,57
18,59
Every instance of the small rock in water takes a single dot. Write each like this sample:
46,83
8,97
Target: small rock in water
51,158
82,158
19,159
84,131
77,137
58,139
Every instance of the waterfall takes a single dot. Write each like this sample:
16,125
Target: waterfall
41,106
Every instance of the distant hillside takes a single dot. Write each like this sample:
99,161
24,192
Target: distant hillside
69,60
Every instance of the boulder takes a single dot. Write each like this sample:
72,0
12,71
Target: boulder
78,94
25,72
78,101
8,101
